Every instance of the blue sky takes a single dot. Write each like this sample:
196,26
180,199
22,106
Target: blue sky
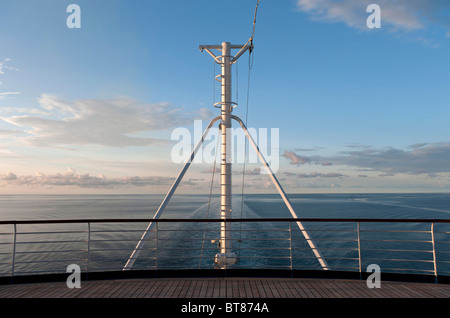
92,109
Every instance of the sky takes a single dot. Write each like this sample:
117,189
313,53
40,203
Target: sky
93,109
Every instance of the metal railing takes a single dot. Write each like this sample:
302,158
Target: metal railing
417,246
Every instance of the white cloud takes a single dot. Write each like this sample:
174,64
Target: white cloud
295,159
6,67
8,132
404,15
4,94
2,68
114,122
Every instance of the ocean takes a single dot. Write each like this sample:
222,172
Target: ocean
397,247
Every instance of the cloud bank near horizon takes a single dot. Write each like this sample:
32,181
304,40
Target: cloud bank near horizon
424,158
73,179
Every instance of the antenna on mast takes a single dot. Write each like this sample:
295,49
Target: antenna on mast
254,25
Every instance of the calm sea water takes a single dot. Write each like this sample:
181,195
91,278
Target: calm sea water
44,248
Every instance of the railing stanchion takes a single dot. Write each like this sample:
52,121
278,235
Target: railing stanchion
290,245
88,247
434,252
157,242
14,253
359,252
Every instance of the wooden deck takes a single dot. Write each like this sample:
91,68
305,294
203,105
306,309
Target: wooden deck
226,288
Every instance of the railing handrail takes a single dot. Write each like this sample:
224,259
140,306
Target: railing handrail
358,221
139,220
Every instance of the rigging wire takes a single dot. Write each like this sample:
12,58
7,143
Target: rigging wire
214,82
210,195
237,84
250,66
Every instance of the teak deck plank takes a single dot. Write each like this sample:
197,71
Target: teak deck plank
226,288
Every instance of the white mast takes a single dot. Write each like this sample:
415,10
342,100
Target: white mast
226,256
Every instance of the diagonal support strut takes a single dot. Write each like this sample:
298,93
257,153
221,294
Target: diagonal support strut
277,184
162,207
140,244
